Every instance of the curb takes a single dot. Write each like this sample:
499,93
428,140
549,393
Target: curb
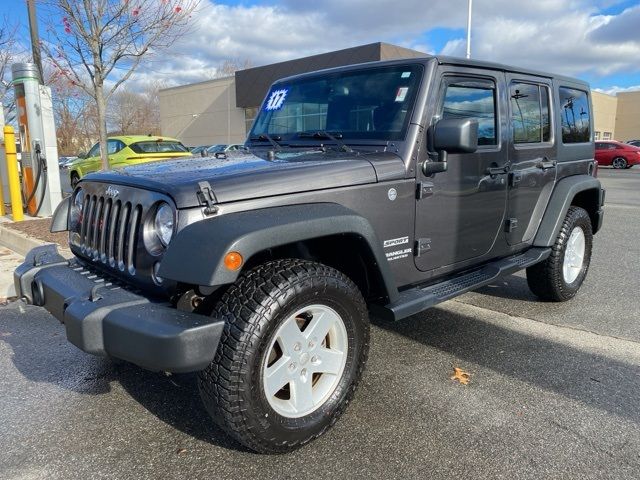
21,243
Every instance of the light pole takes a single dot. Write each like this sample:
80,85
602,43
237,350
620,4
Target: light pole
469,30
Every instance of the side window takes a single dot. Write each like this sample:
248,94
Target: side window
599,146
473,99
95,151
575,116
114,146
530,121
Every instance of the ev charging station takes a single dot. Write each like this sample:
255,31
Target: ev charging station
36,129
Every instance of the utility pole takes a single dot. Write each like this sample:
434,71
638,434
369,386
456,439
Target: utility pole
468,29
35,38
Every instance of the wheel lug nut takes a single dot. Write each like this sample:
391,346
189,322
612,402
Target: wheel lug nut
292,366
303,373
314,359
297,346
310,344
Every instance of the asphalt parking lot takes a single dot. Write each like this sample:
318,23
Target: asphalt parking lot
553,394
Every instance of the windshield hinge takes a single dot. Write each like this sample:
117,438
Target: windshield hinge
207,198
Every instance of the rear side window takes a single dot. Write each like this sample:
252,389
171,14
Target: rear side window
574,115
158,147
473,99
530,113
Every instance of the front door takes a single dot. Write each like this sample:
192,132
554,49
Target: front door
461,212
532,153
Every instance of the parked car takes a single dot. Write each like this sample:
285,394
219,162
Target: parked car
382,188
635,143
222,148
617,154
200,150
64,162
127,150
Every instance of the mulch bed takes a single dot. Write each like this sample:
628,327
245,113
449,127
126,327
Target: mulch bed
39,229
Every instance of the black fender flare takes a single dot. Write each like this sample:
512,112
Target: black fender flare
559,203
196,254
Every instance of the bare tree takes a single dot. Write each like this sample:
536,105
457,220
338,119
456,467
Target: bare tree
135,112
229,67
100,43
75,115
7,53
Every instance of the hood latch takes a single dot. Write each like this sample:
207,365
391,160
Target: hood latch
207,198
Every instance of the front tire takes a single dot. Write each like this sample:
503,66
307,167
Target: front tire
559,277
301,323
74,179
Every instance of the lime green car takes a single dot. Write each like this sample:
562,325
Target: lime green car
127,150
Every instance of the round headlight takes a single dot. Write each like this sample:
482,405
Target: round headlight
75,215
163,223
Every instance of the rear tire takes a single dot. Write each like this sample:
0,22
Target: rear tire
619,162
266,307
559,277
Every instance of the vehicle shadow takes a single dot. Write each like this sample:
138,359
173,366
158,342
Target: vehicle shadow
590,378
42,354
511,287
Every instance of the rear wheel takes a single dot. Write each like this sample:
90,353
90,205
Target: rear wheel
560,276
293,349
619,162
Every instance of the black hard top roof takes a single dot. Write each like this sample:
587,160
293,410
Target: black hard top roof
447,60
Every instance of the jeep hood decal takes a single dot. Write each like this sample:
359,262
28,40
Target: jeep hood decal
242,175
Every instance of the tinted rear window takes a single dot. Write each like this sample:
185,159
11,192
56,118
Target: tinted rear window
575,115
158,147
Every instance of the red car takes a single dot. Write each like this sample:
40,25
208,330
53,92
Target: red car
616,154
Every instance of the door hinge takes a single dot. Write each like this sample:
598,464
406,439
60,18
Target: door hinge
510,225
423,245
424,190
515,178
207,198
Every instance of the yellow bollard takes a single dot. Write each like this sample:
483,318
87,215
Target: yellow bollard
12,174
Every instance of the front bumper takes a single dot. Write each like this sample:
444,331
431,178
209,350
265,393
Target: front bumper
102,318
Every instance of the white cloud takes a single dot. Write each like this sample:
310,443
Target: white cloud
568,37
615,90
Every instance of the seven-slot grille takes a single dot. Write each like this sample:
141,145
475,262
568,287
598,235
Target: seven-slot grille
109,231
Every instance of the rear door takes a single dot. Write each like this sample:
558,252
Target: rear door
532,155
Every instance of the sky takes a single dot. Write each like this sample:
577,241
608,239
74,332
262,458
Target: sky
596,40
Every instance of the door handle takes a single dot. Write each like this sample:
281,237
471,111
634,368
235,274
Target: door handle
493,171
546,164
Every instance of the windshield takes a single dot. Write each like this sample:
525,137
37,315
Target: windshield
365,104
216,148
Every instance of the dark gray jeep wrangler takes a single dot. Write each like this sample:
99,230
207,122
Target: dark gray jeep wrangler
385,188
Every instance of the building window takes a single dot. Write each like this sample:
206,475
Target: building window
606,135
597,135
530,113
575,116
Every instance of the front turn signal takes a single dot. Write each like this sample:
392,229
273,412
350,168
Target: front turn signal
233,261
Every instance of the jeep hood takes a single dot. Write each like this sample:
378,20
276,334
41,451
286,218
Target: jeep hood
242,175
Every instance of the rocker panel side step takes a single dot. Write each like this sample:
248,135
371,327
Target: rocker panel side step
418,299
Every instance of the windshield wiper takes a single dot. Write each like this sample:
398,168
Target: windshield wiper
265,137
336,137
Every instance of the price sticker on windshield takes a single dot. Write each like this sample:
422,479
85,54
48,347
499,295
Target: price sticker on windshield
276,100
402,94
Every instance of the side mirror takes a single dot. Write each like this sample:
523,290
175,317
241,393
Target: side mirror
456,135
452,135
82,155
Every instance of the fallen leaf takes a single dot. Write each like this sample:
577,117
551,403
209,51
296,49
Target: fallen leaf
180,451
460,375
